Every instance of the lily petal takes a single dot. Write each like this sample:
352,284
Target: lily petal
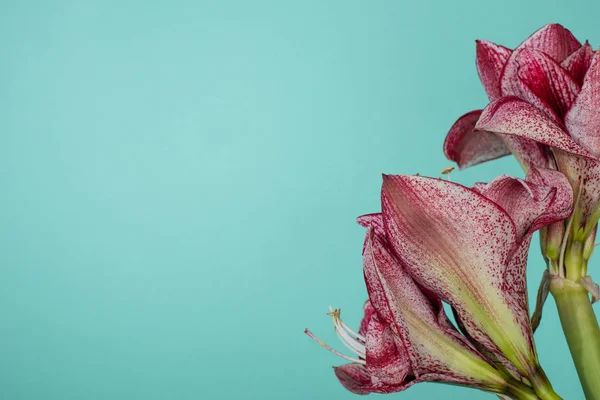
513,116
545,196
372,220
368,310
386,358
579,62
357,379
561,205
546,84
433,348
457,243
467,147
490,61
583,119
552,39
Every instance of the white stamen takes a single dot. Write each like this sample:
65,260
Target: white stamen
337,319
352,332
349,341
337,353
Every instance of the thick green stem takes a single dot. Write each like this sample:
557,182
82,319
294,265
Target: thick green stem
520,391
542,386
581,330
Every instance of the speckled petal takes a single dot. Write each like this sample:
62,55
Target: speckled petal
457,243
387,359
467,147
368,311
513,116
372,220
579,62
357,379
583,119
552,39
546,84
545,196
433,347
490,61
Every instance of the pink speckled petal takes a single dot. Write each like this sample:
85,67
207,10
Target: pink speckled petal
467,147
545,196
433,346
387,359
583,119
561,205
357,379
579,62
457,243
372,220
368,311
528,152
490,61
547,85
552,39
513,116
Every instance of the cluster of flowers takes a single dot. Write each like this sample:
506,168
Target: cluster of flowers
436,240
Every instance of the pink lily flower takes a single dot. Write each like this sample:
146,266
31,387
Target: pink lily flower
545,97
437,240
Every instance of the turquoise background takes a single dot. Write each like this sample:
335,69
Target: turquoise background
180,182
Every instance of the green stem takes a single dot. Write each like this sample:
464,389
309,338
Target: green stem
581,330
542,386
519,391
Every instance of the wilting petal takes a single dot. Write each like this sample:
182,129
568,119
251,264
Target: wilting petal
490,59
578,63
552,39
468,147
432,347
546,84
513,116
583,119
458,243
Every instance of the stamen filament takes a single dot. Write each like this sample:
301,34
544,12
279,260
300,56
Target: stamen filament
351,343
336,314
337,353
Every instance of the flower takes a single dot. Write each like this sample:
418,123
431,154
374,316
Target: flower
405,336
437,240
545,97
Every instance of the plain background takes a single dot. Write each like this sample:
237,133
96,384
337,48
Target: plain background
179,182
